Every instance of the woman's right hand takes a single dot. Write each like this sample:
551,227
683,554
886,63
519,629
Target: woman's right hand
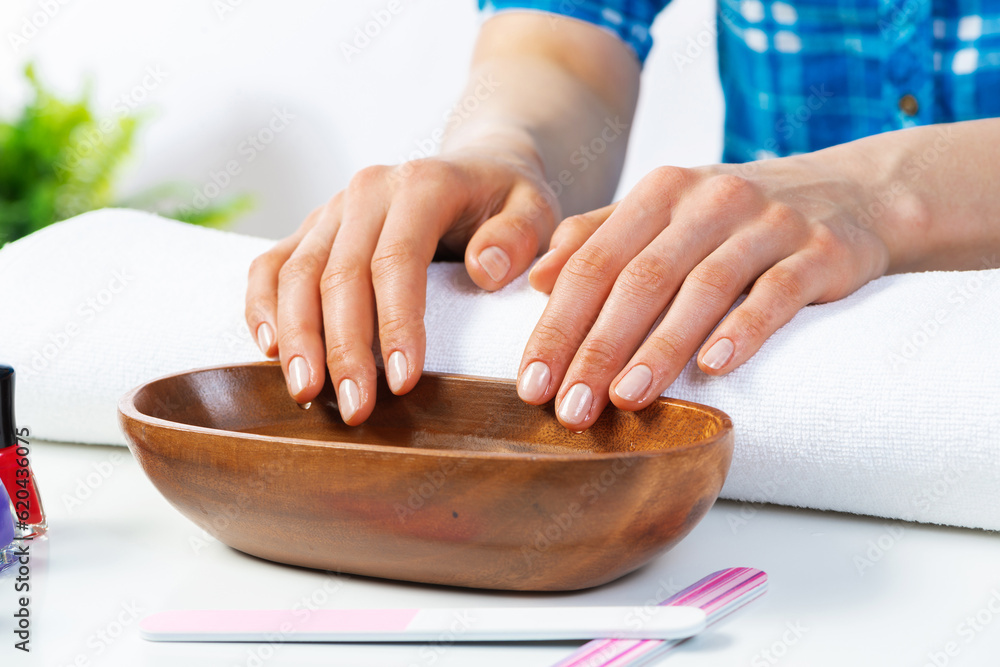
361,260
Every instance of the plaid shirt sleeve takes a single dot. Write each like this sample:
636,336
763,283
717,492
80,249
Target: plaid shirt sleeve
628,19
802,75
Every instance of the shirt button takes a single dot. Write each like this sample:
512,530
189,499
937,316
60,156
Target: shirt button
908,105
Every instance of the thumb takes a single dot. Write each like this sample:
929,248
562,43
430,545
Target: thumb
504,246
569,236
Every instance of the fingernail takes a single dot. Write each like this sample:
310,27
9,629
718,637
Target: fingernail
576,404
533,382
265,337
395,371
546,255
298,375
541,260
495,262
349,399
633,386
718,354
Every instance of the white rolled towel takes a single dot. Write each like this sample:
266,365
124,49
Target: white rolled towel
884,403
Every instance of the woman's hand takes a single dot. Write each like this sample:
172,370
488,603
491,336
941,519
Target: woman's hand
684,245
534,97
360,261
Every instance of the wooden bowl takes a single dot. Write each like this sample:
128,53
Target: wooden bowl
457,482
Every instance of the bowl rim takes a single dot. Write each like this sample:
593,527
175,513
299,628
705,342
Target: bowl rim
128,411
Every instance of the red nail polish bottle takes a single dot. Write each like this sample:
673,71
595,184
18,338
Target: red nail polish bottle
15,470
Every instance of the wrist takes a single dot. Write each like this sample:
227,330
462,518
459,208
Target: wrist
507,143
516,150
888,201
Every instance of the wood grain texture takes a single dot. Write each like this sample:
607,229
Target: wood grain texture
456,483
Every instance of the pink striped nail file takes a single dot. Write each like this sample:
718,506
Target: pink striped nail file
415,625
719,594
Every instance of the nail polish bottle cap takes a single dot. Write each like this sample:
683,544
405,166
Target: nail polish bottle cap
8,430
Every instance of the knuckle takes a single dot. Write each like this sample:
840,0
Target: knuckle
827,243
549,336
834,256
715,279
785,221
753,324
785,285
391,259
366,178
337,352
589,264
782,215
668,177
576,228
668,346
600,355
262,264
580,223
290,334
297,269
339,275
644,277
426,173
727,190
394,322
525,235
256,308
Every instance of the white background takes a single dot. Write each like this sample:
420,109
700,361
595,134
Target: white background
226,70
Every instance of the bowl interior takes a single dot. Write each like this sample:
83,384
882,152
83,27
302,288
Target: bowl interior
443,412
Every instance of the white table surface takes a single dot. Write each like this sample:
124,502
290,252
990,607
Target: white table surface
843,590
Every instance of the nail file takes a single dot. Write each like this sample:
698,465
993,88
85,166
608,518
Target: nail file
719,594
417,625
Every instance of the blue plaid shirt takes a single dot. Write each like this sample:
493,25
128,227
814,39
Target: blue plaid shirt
801,75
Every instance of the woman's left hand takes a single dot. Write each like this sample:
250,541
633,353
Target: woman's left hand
685,244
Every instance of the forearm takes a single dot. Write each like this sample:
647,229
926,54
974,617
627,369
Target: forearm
561,100
935,193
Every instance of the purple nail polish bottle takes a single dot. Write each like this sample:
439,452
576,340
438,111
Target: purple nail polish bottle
6,531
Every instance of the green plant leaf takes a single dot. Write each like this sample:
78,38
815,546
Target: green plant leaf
58,160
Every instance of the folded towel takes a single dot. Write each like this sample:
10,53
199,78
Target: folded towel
883,403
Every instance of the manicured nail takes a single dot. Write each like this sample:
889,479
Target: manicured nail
495,262
298,375
635,383
265,337
541,261
395,371
718,354
349,399
547,254
576,404
533,382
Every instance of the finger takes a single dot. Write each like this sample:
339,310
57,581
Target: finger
300,323
420,212
261,312
348,299
505,245
585,282
643,290
705,219
703,299
568,237
775,298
